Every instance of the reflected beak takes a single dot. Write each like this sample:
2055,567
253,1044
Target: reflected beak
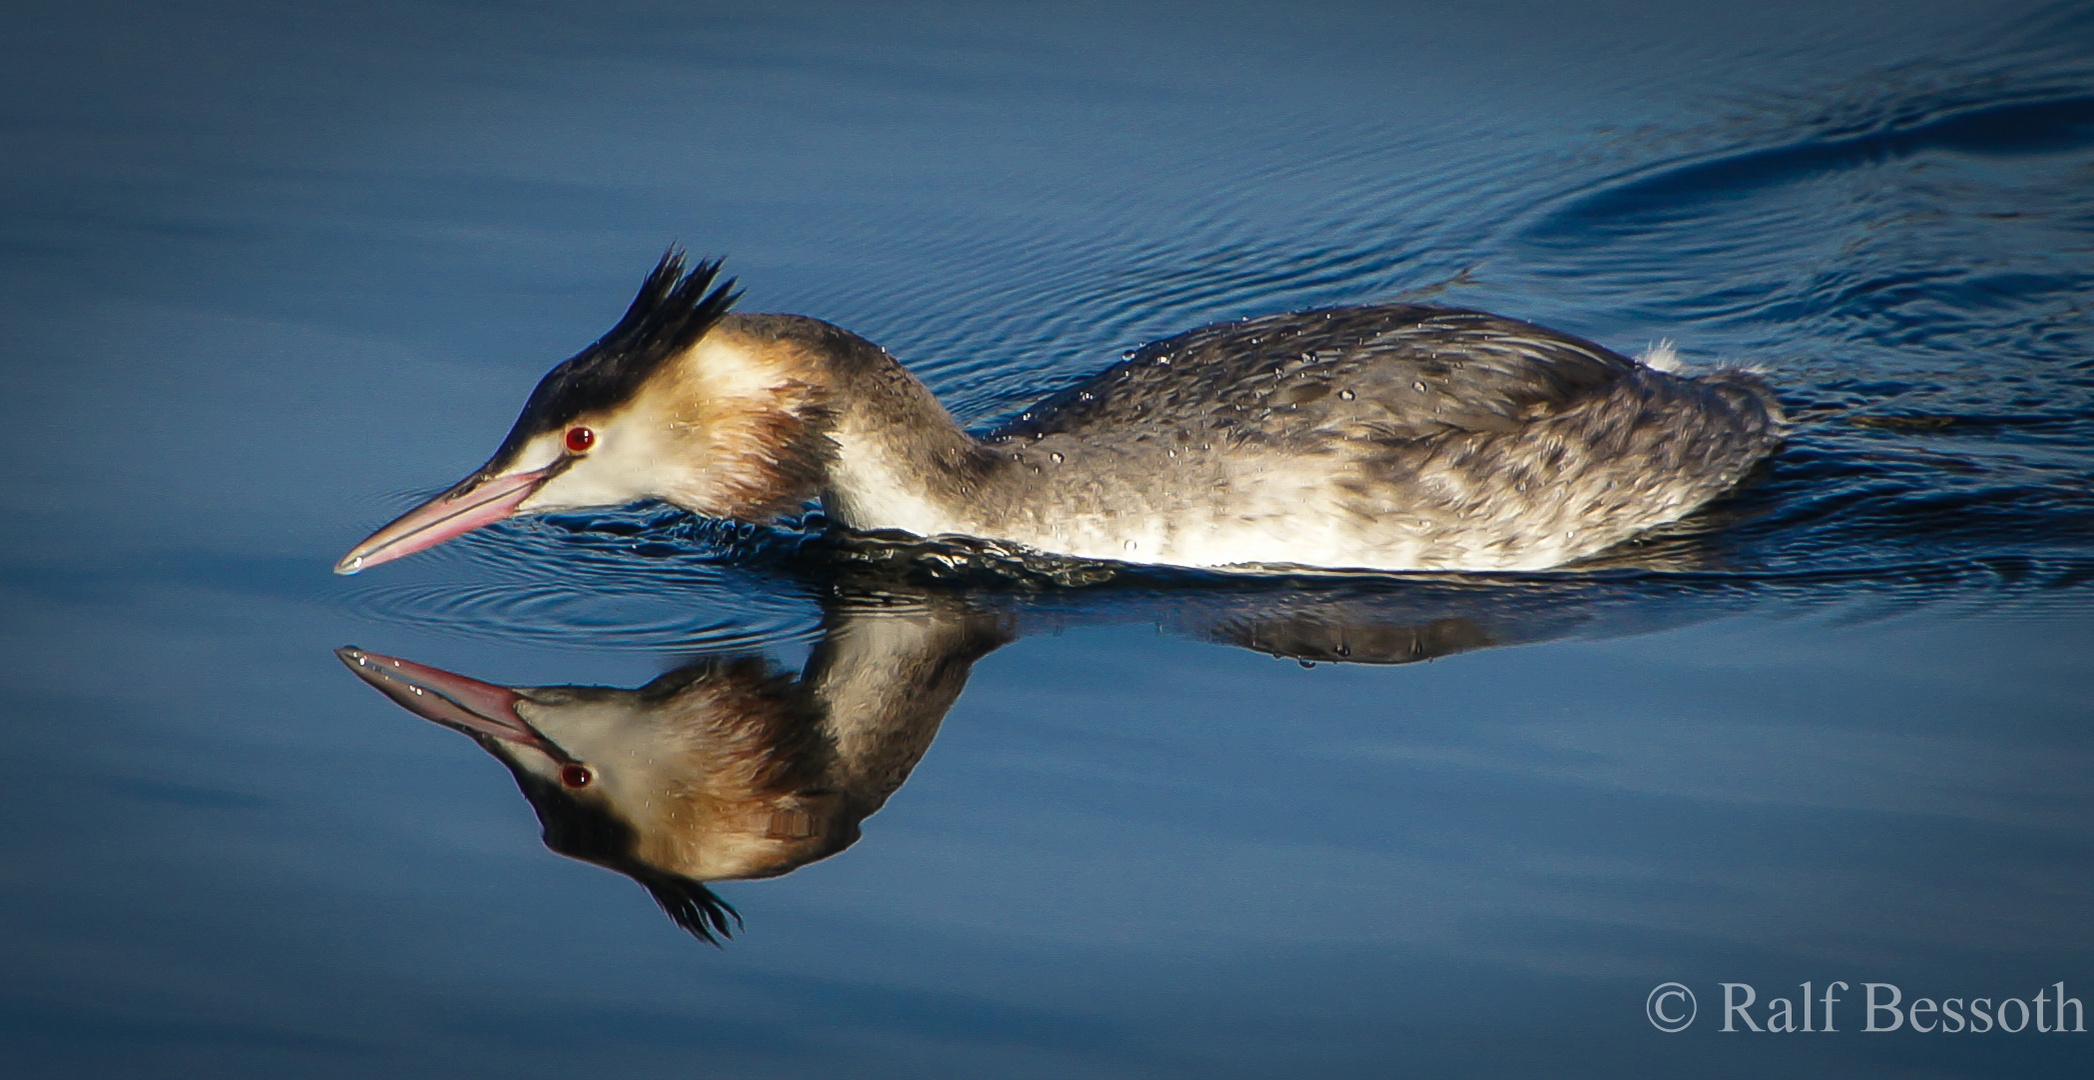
450,514
455,701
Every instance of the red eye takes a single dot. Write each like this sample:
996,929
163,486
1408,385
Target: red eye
576,776
580,439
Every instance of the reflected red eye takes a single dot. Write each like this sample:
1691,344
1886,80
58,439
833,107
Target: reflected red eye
576,776
580,439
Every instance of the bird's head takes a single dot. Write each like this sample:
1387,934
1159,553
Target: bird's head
672,404
715,771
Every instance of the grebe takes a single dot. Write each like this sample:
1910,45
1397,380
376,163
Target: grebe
725,769
1381,437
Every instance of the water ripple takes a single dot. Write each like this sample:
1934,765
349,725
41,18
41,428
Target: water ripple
625,580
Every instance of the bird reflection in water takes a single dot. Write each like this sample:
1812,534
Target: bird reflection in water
726,768
730,768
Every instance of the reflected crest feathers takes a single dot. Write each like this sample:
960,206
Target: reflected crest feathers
586,831
692,906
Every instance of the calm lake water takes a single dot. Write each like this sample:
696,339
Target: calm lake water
270,274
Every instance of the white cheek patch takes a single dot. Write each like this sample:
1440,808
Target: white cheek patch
704,434
631,458
620,468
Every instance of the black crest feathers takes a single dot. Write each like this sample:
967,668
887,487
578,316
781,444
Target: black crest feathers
693,906
675,307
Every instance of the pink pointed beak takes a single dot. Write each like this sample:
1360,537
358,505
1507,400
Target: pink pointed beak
450,514
455,701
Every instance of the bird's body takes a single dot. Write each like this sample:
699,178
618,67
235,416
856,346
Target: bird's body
1392,437
1388,437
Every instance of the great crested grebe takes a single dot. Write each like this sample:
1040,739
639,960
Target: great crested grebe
726,768
1381,437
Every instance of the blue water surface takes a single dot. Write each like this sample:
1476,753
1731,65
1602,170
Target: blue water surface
272,272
